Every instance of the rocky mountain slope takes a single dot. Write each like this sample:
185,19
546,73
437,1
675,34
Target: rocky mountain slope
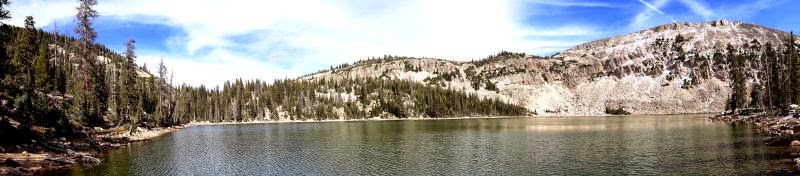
662,70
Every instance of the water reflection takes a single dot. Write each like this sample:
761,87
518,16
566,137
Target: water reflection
541,146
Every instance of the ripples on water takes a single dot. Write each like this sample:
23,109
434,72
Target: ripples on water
682,145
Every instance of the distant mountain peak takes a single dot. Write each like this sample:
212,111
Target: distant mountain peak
697,37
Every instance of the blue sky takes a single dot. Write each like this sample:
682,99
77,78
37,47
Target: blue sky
208,42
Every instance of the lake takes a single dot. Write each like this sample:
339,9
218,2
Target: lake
639,145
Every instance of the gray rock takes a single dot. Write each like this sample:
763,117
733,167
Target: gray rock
88,160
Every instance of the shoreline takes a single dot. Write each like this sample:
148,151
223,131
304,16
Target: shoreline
145,135
201,123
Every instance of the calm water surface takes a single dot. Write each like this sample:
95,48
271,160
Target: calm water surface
673,145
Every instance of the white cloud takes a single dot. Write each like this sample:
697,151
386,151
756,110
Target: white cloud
212,72
574,3
288,38
44,12
562,31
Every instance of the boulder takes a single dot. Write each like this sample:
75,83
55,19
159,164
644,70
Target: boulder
11,163
777,140
795,143
797,163
88,159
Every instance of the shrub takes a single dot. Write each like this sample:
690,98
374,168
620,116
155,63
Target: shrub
491,86
617,111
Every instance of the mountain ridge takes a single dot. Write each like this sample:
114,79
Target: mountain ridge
665,69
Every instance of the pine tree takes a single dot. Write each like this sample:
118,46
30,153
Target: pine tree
738,78
24,53
777,84
5,64
87,100
4,13
756,92
166,100
792,55
21,72
129,93
769,78
41,67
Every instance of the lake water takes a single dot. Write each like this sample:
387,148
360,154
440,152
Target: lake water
673,145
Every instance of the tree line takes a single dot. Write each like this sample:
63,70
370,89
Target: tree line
761,76
771,71
324,99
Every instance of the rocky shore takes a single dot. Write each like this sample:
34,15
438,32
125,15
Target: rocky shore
778,130
41,157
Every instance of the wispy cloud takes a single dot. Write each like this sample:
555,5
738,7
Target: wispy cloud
648,12
698,8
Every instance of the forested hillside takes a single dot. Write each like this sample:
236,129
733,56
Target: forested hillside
54,85
332,99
